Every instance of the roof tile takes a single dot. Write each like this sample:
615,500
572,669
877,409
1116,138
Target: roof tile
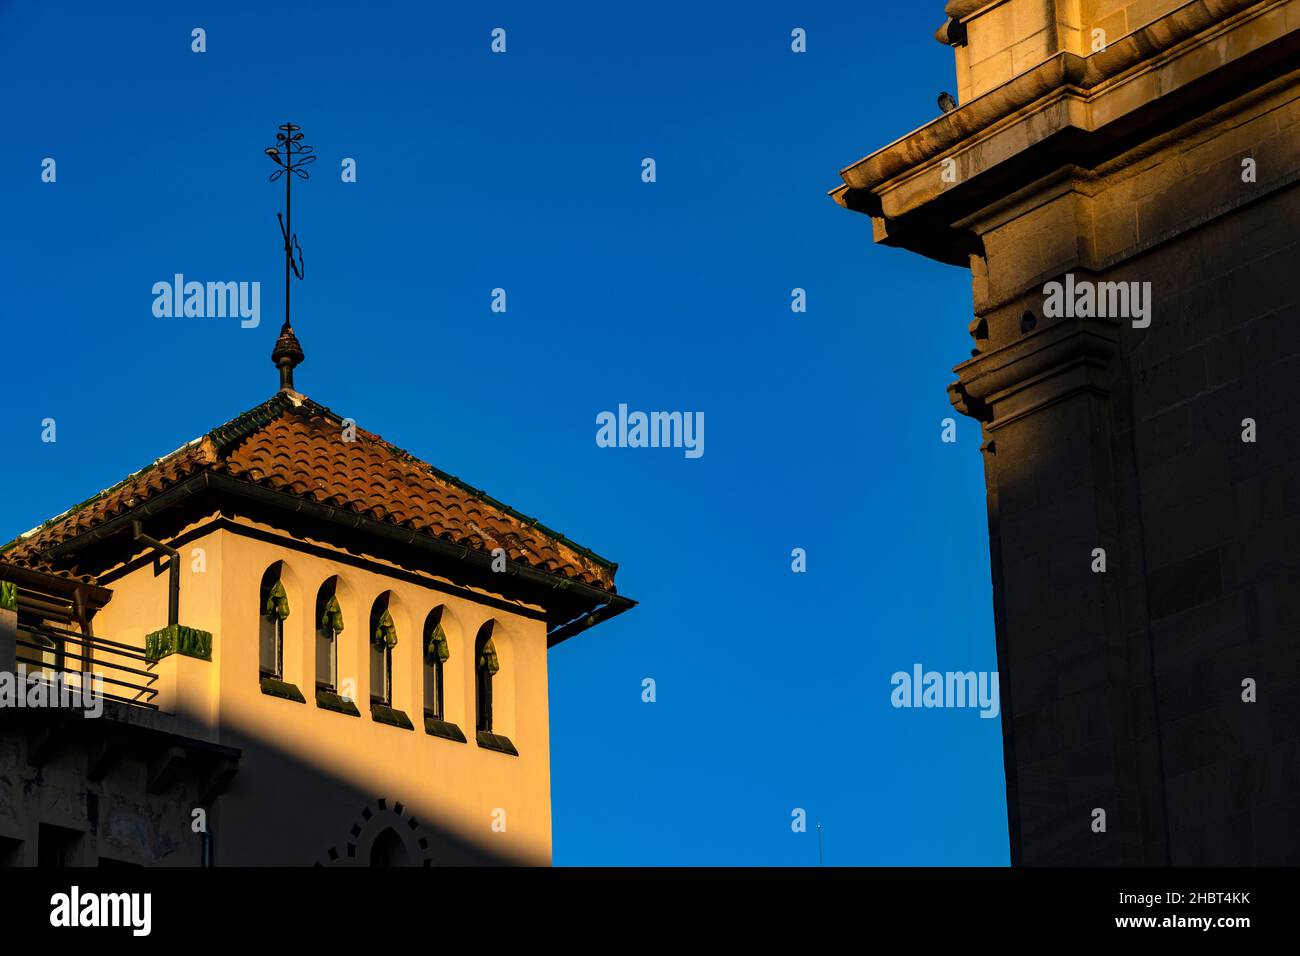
292,444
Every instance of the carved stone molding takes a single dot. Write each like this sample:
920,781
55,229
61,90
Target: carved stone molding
1053,363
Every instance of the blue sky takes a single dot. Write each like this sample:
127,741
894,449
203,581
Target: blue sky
522,171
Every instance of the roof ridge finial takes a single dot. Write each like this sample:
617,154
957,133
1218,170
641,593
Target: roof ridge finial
288,354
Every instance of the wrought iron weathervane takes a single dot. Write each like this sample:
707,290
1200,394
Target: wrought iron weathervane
291,155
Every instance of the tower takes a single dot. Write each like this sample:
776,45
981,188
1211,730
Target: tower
1120,179
300,643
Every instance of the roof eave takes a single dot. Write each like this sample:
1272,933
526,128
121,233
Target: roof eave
599,598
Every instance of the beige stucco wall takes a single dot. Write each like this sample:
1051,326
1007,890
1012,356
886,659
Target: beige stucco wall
299,750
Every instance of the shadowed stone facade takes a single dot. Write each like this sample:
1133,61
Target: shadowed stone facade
1164,149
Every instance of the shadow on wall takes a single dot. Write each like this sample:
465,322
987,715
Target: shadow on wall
282,811
77,792
1146,546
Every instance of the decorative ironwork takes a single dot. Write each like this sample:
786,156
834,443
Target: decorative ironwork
292,156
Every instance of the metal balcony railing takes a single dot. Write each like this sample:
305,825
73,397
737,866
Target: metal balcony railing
45,650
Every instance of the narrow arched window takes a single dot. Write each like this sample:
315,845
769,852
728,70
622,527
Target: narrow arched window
274,606
436,653
383,638
486,666
389,850
329,625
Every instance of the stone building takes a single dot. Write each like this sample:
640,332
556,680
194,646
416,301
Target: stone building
308,647
1120,177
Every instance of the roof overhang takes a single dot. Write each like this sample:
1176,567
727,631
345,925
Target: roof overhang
55,584
1067,111
572,606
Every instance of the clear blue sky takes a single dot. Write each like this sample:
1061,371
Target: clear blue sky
523,171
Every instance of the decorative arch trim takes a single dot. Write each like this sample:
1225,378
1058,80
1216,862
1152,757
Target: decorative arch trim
331,615
487,658
385,631
277,601
437,649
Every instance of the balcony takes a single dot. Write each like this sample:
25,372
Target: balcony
56,671
114,671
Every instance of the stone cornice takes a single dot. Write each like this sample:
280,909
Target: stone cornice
1066,96
951,33
1063,69
960,9
1055,362
941,134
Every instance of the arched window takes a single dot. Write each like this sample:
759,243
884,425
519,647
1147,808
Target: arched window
383,638
486,665
274,606
329,625
436,653
389,850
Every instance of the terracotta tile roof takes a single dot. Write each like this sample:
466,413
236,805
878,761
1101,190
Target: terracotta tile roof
293,445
